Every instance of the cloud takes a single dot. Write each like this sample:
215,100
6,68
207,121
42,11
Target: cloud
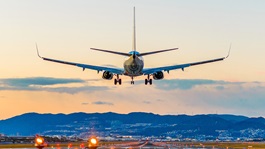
197,96
187,84
74,90
85,103
146,102
45,83
26,82
160,100
102,103
248,99
220,87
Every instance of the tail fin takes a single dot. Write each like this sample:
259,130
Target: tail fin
134,33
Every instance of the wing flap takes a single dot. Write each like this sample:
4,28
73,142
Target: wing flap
181,66
101,68
208,61
59,61
86,66
166,68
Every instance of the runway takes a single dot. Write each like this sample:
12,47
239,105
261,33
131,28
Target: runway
133,145
147,147
144,145
151,145
126,145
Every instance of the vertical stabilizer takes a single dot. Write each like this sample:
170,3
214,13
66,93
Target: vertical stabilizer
134,33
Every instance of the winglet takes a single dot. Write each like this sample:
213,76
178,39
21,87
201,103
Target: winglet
229,51
38,51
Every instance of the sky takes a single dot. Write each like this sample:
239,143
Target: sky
66,29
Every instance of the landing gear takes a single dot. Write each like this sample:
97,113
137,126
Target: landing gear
117,80
132,82
148,80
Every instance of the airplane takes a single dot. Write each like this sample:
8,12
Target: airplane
134,64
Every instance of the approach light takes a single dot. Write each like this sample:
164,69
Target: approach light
39,140
93,141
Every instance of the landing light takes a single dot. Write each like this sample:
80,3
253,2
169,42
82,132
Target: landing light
39,140
93,141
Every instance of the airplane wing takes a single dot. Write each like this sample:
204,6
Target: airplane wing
84,66
148,71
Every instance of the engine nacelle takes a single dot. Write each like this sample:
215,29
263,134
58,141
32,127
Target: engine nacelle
107,75
158,75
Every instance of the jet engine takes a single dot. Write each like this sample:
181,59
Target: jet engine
107,75
158,75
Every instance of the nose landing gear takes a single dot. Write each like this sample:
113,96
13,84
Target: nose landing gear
132,82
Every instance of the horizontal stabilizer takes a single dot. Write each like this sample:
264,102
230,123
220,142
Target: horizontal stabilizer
113,52
154,52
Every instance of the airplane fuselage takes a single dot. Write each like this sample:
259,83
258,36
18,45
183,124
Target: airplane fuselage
133,65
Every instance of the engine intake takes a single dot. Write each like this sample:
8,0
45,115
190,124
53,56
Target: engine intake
107,75
158,75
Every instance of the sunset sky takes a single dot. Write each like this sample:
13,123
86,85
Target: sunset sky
66,29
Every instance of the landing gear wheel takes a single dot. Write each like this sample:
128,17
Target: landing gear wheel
117,81
132,82
150,81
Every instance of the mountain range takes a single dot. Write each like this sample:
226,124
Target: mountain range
137,123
